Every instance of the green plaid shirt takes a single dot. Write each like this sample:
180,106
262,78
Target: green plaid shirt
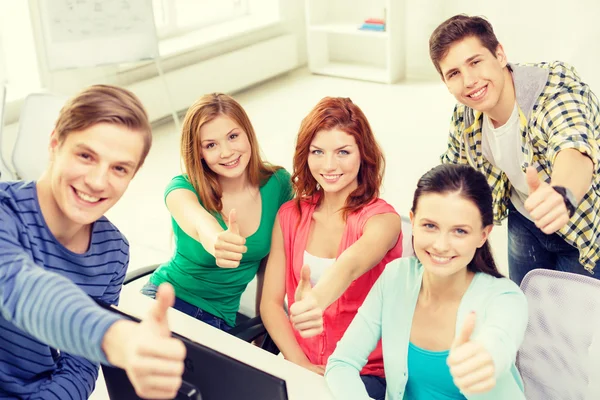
557,111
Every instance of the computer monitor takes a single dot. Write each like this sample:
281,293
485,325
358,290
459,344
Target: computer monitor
208,375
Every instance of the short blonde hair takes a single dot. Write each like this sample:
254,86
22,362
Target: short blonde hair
104,104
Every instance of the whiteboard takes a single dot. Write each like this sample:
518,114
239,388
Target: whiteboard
89,33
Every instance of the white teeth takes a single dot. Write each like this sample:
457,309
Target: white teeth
331,177
88,198
478,93
440,259
232,163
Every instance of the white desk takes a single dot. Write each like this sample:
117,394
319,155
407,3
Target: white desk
301,383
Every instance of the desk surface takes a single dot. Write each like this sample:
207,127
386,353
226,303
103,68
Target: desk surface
301,383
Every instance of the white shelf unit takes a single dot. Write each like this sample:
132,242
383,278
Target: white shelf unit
347,29
337,47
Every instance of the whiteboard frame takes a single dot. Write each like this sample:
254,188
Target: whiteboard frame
95,52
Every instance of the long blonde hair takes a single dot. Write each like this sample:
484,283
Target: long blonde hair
202,178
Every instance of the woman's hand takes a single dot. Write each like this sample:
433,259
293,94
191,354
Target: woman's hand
305,314
471,365
230,246
317,369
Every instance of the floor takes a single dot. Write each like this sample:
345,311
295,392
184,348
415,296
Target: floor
410,121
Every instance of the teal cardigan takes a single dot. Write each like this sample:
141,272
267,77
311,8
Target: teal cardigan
387,313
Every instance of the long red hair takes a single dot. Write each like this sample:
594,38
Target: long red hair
339,113
202,178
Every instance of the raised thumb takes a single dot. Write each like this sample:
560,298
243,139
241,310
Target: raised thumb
464,335
533,181
304,283
165,298
233,225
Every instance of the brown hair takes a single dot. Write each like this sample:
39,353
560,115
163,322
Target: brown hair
104,104
202,178
458,28
339,113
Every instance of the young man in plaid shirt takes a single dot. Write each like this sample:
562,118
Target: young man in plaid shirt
534,131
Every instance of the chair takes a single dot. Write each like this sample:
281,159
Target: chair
5,172
407,247
36,122
247,329
555,360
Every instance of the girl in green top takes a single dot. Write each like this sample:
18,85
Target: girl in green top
218,251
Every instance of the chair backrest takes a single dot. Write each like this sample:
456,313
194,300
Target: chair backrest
407,247
555,359
36,122
5,172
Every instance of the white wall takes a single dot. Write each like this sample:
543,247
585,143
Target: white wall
422,17
70,81
530,31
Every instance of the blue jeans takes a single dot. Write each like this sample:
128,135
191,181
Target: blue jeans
150,289
375,386
530,248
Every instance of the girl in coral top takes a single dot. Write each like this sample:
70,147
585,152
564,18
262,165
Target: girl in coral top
331,244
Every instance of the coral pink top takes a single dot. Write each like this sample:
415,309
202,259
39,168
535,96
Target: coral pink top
339,314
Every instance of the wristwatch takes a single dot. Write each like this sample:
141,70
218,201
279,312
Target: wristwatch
568,197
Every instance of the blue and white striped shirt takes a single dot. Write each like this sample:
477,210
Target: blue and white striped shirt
37,296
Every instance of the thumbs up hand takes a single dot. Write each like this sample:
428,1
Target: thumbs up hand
305,314
304,288
533,180
152,358
230,246
471,365
545,205
157,320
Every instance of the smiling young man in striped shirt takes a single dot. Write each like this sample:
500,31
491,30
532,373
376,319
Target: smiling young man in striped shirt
57,250
534,131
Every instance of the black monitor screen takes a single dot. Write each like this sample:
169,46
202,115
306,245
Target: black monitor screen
209,375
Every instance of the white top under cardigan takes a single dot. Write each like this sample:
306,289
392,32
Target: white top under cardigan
387,313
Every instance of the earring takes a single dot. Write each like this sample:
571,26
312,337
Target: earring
318,187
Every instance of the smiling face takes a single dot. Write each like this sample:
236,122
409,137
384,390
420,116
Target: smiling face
225,147
334,161
90,170
475,76
447,230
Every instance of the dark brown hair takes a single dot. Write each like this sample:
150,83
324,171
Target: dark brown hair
473,186
458,28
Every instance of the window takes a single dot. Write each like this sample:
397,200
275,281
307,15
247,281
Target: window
181,25
177,17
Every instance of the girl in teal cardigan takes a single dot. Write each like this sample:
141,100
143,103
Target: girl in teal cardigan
450,324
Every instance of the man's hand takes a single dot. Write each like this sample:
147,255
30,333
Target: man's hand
546,206
152,359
